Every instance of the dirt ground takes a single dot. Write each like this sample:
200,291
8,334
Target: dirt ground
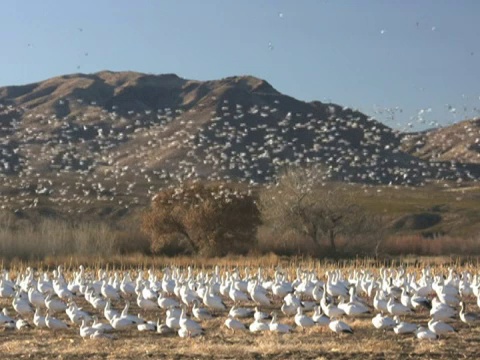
220,343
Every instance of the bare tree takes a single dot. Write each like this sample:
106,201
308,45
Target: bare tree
306,201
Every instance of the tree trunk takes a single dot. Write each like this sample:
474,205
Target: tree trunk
331,237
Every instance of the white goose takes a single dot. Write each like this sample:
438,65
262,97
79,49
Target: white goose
86,331
403,327
258,295
166,302
260,315
55,305
5,318
21,305
277,327
233,324
173,319
237,295
36,298
319,317
240,313
213,301
200,313
383,322
340,327
440,327
395,308
303,320
189,326
468,318
423,333
145,304
54,323
258,326
102,327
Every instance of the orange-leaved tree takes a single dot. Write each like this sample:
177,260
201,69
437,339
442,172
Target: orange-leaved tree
211,219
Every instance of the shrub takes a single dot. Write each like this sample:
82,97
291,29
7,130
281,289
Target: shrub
203,219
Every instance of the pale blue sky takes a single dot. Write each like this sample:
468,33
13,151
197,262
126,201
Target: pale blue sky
358,53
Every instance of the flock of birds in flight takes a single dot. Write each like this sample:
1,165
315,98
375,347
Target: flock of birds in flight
187,301
81,161
122,156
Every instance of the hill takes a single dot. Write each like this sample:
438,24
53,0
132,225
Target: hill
104,143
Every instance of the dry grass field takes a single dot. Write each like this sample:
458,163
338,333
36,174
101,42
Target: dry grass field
220,343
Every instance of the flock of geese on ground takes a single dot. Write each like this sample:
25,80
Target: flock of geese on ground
191,299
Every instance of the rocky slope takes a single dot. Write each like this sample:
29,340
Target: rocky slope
117,137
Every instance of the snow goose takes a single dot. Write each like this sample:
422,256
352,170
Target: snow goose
440,327
96,301
145,304
379,301
21,305
319,317
383,322
200,313
86,331
188,325
36,298
468,318
44,284
403,327
340,327
136,319
187,295
76,314
258,295
4,317
448,299
173,319
147,326
22,324
423,333
6,290
336,288
55,305
166,302
420,301
109,312
237,295
109,292
303,320
355,308
258,326
54,323
233,324
148,293
260,315
441,311
240,313
213,301
122,323
281,289
127,286
102,327
395,308
329,308
163,328
277,327
405,299
289,309
61,289
317,291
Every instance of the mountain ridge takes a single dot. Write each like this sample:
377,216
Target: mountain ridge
121,136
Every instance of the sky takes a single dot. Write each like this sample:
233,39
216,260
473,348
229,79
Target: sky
410,63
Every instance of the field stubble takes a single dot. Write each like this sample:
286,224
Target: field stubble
221,343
